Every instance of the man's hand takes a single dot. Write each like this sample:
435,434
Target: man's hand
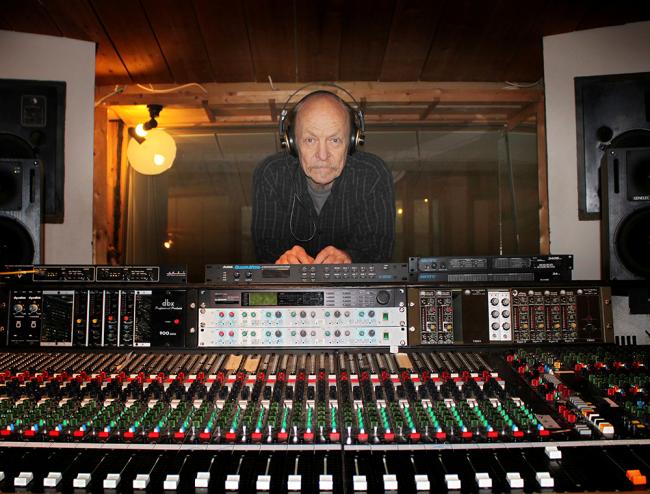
295,255
332,255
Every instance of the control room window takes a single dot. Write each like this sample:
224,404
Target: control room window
459,191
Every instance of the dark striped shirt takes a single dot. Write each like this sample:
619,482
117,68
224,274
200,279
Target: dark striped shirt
358,216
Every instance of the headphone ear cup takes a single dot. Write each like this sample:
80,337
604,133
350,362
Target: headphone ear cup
291,142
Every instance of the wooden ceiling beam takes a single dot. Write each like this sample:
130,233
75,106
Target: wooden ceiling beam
522,115
372,92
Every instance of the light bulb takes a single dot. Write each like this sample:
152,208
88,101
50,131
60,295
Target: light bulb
154,155
139,130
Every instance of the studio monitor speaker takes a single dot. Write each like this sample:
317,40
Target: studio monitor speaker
625,207
20,211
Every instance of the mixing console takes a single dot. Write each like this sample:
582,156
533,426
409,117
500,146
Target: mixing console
317,388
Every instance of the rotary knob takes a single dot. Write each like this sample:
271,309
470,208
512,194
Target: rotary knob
383,297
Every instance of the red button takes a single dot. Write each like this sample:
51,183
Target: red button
221,314
231,314
126,318
177,322
110,318
231,333
220,333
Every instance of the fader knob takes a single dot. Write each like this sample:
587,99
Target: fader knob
383,297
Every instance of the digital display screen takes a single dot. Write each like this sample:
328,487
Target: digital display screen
286,299
276,272
262,298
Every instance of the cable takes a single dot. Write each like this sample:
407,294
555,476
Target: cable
521,85
117,90
20,272
171,89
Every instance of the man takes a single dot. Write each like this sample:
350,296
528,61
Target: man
323,205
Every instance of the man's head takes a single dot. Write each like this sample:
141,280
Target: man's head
322,135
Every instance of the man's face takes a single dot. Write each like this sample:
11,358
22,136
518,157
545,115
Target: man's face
322,136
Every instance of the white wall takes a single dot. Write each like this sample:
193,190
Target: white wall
610,50
36,57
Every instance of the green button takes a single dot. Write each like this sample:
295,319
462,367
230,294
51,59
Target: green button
243,314
293,314
385,316
253,333
244,333
327,333
268,333
253,314
293,333
361,333
268,314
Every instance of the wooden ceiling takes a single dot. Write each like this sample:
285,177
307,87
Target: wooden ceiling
173,41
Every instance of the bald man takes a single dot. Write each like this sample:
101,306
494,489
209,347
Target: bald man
326,206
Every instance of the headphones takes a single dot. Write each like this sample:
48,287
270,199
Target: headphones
288,118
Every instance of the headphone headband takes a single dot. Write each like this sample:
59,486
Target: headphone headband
357,124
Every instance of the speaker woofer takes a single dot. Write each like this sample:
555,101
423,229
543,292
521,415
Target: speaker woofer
16,244
632,241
